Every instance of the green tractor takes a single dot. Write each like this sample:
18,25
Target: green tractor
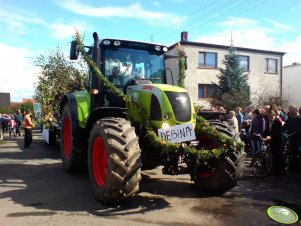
101,133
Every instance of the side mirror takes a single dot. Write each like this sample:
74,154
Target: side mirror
73,51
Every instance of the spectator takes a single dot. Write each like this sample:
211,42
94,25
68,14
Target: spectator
239,116
232,121
264,113
28,129
248,114
275,136
19,120
291,129
275,109
281,114
258,127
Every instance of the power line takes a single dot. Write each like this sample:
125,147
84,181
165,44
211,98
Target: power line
183,18
235,13
205,16
237,10
171,30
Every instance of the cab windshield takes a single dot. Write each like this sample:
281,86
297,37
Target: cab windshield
122,65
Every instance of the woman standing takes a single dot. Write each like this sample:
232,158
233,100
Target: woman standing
256,131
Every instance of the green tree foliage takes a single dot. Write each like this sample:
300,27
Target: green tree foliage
6,110
57,77
232,89
26,106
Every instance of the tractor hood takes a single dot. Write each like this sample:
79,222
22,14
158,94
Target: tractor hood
163,104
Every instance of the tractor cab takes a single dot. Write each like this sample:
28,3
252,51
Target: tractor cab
126,61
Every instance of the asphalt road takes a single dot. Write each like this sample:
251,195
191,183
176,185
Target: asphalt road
35,190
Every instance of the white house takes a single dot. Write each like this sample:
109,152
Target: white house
291,84
204,60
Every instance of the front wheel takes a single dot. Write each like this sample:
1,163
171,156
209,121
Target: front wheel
225,173
262,163
114,160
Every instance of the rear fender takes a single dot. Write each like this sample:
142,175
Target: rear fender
70,100
102,112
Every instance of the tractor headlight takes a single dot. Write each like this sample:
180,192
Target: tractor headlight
165,125
165,116
117,43
106,42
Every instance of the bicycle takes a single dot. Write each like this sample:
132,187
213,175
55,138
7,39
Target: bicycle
287,150
262,161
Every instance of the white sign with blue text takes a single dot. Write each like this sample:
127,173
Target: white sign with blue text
178,133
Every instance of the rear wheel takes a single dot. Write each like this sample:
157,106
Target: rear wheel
226,172
262,163
73,157
114,160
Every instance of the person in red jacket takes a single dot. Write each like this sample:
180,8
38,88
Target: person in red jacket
28,129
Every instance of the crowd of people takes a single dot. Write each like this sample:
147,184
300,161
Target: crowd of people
12,124
271,124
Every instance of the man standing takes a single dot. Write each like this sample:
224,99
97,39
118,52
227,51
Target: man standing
19,120
275,136
28,129
290,128
239,116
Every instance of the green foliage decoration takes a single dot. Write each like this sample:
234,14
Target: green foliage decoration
225,144
182,62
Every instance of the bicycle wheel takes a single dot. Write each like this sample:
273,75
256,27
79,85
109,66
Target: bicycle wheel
287,156
262,163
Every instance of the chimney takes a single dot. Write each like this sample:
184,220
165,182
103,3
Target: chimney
184,36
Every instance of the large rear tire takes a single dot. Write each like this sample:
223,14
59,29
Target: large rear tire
73,159
114,160
228,169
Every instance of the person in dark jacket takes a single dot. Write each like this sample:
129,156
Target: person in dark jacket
291,129
257,129
19,120
275,136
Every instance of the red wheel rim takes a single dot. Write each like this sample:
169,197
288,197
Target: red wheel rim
67,137
99,161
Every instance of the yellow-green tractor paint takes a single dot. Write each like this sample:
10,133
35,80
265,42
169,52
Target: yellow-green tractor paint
164,104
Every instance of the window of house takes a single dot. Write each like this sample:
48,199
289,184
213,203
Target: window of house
205,90
207,59
271,65
244,63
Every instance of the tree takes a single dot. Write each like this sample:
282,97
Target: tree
57,77
232,89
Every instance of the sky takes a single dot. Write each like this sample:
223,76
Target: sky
31,28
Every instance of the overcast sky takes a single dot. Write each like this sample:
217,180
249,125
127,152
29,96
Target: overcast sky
29,28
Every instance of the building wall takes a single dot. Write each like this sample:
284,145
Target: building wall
4,99
261,83
291,85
